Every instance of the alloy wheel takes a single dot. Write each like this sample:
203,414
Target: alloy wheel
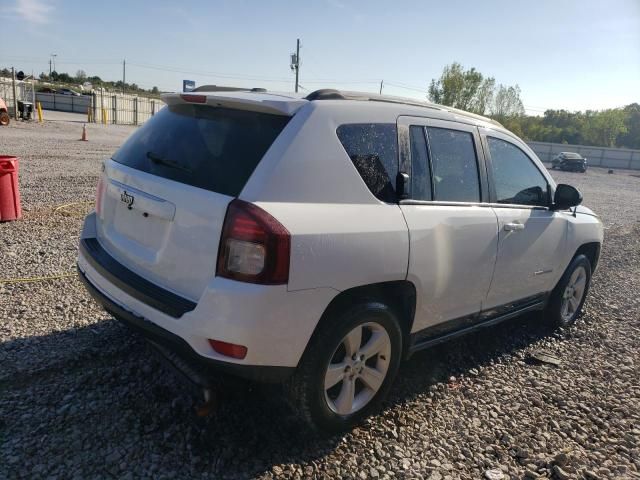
357,369
573,294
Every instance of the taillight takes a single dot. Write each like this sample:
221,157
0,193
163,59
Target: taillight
99,192
254,246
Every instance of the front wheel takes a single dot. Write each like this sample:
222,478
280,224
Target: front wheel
348,368
4,118
569,295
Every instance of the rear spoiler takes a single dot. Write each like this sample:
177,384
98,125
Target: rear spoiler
240,100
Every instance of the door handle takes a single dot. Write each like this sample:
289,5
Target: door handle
512,227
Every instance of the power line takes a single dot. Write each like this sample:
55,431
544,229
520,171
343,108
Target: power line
167,68
408,87
63,62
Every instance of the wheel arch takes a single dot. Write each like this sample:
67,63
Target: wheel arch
590,250
398,295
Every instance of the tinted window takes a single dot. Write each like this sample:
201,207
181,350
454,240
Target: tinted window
373,149
516,178
420,178
455,169
212,148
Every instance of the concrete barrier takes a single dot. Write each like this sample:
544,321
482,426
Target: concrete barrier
596,156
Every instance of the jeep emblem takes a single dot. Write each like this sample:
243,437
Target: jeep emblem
128,199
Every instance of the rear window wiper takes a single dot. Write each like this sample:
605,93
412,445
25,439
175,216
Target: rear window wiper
167,163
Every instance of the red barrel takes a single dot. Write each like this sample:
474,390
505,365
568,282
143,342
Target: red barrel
9,191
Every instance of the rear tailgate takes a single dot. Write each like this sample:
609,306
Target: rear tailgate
164,194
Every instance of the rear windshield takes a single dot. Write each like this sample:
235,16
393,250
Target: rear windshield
212,148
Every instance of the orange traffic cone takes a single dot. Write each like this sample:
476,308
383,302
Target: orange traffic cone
84,133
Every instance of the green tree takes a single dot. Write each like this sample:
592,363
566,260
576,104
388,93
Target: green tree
506,103
631,139
65,78
605,127
464,89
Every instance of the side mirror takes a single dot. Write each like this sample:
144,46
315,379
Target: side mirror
565,197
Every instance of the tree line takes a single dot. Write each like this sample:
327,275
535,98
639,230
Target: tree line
81,77
470,90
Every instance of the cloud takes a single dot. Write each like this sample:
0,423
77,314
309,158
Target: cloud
33,11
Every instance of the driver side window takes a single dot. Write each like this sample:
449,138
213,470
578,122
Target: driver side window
517,180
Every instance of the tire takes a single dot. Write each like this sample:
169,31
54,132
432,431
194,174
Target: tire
320,409
4,118
566,299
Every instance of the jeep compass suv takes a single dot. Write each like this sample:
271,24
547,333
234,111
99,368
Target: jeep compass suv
318,241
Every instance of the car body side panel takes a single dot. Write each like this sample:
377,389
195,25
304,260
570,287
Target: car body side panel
529,260
453,253
342,236
342,246
584,227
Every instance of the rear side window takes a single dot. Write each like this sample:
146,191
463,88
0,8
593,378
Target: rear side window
216,149
373,149
454,164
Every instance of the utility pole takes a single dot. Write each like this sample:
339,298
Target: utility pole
381,84
295,62
124,71
15,98
53,57
50,69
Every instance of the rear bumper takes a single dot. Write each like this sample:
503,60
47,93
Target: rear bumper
174,343
273,323
128,281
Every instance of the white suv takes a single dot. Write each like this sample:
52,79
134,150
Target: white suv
318,241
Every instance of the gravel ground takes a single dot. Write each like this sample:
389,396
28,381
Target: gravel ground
81,397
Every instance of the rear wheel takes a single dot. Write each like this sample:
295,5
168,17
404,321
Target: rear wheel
348,368
569,295
4,118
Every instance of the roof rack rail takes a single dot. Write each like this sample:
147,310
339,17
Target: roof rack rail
219,88
333,94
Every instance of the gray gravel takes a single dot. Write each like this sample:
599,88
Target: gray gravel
81,397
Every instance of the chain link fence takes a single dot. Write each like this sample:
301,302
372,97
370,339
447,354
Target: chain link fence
104,107
24,93
122,109
100,106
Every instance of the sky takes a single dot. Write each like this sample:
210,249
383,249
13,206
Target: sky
571,54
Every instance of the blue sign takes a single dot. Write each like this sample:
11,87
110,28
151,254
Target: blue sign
188,85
